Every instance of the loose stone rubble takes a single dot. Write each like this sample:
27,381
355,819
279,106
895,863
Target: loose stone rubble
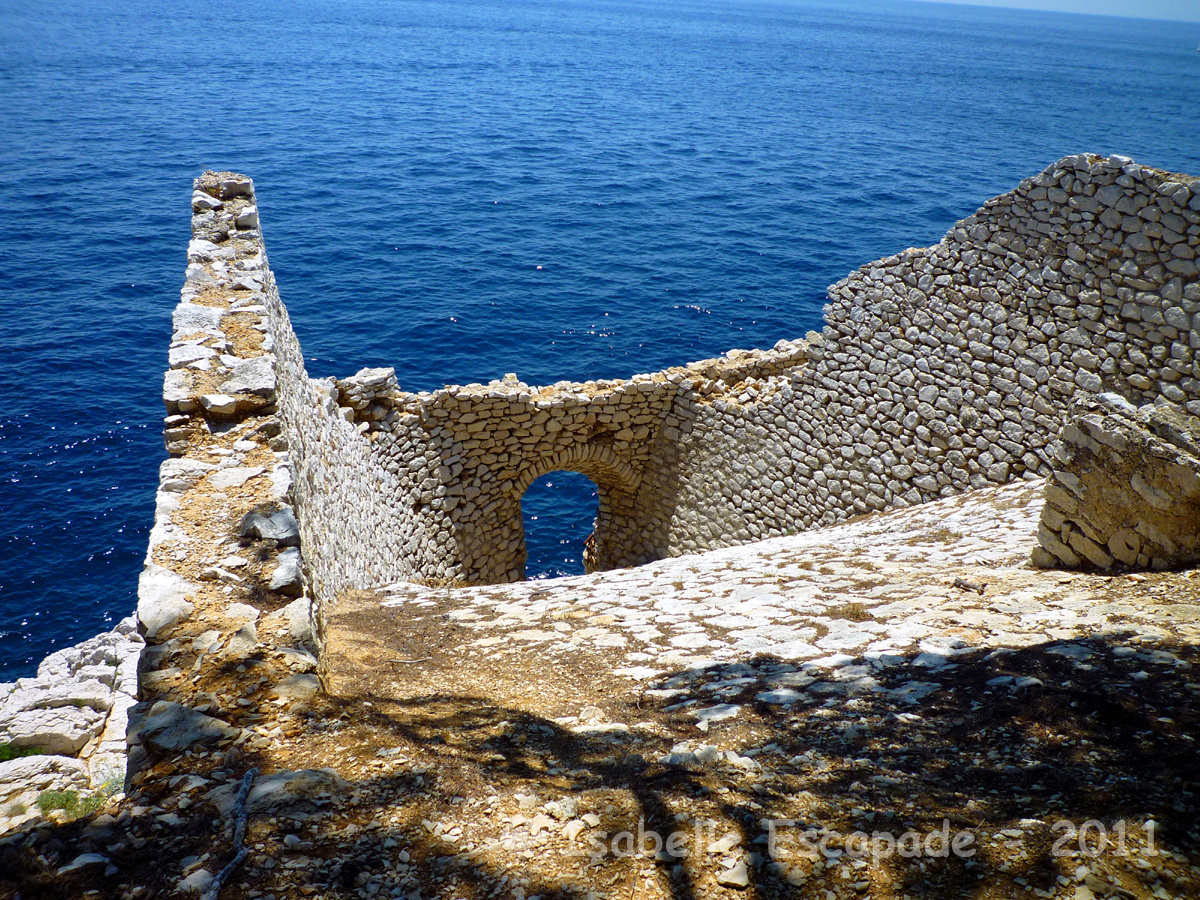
1125,490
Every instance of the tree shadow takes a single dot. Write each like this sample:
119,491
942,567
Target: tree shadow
1052,758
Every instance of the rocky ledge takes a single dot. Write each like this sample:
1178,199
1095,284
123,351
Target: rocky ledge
62,733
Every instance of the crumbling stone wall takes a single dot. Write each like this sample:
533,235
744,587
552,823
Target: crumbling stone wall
1125,488
462,457
946,368
938,370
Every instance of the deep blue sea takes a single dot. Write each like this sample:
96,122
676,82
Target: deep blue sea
565,189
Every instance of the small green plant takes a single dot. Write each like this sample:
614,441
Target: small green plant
67,801
91,804
17,809
77,805
8,751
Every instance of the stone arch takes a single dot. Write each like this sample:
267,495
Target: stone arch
616,487
597,461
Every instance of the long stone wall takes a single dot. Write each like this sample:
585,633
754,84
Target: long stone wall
949,367
938,370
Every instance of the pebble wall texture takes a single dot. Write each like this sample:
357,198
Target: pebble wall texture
1125,489
938,370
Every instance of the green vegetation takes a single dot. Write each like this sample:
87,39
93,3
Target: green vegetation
8,751
77,805
68,801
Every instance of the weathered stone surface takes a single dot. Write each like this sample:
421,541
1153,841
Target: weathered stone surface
297,687
277,525
248,217
177,475
282,792
84,862
60,730
243,642
298,617
23,780
234,476
219,404
737,876
171,726
191,318
252,376
1126,488
196,883
162,598
287,578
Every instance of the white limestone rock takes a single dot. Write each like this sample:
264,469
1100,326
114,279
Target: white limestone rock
162,598
202,201
235,186
59,730
252,376
90,693
177,475
23,780
219,404
190,318
233,477
248,217
186,354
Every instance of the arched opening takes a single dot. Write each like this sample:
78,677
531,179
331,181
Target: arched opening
608,478
558,512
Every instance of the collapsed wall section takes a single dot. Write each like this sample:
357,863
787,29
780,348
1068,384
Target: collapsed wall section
1125,488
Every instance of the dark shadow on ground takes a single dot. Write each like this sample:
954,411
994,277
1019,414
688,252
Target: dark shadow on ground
1015,748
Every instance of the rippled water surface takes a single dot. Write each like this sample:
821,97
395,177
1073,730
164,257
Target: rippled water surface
557,188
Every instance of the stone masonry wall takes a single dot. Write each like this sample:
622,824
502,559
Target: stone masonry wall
950,367
938,370
1125,488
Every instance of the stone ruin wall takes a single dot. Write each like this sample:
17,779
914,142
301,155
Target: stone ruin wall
1125,488
938,370
461,457
947,368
